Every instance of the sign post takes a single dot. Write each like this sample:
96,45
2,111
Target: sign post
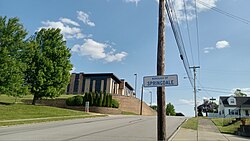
160,81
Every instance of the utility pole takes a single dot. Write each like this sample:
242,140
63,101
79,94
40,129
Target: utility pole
161,110
195,103
150,98
135,83
141,99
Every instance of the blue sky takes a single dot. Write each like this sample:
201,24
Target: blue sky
120,36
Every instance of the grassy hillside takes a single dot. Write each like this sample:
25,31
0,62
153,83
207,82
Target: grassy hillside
12,114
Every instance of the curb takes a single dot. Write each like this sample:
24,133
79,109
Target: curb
176,131
31,119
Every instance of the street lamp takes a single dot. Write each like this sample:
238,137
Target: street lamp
150,97
135,82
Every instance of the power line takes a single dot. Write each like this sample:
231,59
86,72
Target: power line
178,37
189,37
197,32
225,13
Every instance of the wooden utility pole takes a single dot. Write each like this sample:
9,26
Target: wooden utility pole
161,110
195,102
141,99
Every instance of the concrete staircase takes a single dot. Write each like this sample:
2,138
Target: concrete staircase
131,104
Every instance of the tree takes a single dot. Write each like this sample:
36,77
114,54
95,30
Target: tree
207,107
239,93
154,107
49,65
12,67
170,109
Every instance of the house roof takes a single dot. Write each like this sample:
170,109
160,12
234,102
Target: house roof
240,101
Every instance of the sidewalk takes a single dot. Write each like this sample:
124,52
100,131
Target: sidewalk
207,131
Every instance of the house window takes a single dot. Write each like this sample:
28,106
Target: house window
236,112
232,101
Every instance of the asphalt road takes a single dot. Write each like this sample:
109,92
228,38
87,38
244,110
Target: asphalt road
118,128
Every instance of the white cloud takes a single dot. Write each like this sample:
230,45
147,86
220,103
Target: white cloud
219,45
116,57
98,51
68,31
187,102
208,49
222,44
202,5
69,21
84,17
132,1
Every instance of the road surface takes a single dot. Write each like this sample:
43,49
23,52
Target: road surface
119,128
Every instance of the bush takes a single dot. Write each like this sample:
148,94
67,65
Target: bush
115,103
74,101
70,101
78,101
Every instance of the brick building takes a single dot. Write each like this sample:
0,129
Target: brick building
98,82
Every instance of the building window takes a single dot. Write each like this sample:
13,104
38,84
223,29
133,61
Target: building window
76,83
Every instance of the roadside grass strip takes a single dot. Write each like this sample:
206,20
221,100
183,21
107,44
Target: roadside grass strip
191,123
228,129
21,114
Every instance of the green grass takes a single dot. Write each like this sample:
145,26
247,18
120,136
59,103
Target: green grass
230,129
191,123
21,113
4,99
24,112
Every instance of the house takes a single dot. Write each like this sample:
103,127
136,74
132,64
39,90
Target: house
98,82
234,107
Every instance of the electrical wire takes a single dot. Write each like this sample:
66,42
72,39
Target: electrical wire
197,32
188,31
224,13
178,37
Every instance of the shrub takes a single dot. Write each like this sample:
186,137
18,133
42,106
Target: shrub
100,100
104,103
78,101
74,101
70,101
115,103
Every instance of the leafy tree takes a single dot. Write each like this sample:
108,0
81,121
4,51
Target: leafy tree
154,107
49,65
239,93
170,109
12,47
207,107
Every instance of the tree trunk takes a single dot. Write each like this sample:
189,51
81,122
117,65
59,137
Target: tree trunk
34,99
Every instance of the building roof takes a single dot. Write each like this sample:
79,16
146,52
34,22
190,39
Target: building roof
104,74
128,86
111,75
240,101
